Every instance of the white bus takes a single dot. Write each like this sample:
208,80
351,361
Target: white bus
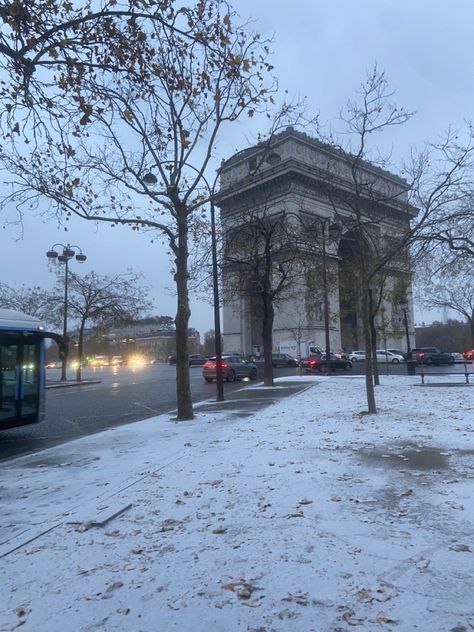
22,374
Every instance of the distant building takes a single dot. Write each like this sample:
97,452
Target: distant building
147,337
291,176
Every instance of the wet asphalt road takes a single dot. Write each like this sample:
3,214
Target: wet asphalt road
124,395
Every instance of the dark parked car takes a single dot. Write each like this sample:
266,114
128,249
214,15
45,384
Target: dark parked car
234,367
319,363
197,359
283,359
431,355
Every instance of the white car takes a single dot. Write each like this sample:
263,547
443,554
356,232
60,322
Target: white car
383,355
356,356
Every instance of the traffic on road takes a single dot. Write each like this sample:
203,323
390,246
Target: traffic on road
121,394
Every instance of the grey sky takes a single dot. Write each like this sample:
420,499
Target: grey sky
322,50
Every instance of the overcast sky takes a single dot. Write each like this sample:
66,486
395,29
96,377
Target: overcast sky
322,50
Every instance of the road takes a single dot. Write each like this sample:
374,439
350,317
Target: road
124,395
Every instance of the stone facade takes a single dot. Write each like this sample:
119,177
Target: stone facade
297,175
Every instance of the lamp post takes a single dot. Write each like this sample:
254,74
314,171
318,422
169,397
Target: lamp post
410,364
150,179
68,252
217,317
333,231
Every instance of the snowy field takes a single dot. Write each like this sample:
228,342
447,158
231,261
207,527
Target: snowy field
309,516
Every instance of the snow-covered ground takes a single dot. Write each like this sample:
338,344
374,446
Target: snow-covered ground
308,516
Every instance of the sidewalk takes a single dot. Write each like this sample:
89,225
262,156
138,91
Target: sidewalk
303,515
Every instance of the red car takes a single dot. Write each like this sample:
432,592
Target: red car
469,355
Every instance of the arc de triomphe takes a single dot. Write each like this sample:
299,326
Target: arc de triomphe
298,174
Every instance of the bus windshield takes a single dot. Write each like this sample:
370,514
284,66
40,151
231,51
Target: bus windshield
22,375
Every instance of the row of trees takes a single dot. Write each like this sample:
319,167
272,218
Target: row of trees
112,112
453,335
93,300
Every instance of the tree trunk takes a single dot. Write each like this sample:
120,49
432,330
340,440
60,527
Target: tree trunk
369,362
183,313
373,338
267,339
80,351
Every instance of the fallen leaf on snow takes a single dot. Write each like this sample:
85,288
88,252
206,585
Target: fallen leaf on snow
123,610
350,618
336,499
169,524
242,588
385,592
455,506
85,526
219,530
365,596
113,534
301,599
460,548
382,618
421,562
305,501
253,603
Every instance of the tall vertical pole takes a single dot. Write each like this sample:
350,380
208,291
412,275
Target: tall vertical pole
410,363
407,334
217,318
64,358
326,304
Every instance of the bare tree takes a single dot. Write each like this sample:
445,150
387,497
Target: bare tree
262,262
30,300
449,286
102,301
138,157
437,180
49,47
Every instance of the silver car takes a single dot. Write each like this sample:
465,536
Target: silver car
234,367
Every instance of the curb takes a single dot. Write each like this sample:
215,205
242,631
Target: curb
71,384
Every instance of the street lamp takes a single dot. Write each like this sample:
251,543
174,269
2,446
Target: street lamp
333,231
410,364
68,252
217,318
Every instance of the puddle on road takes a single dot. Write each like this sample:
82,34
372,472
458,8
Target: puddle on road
410,458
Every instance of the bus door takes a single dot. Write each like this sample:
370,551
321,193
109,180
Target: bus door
21,380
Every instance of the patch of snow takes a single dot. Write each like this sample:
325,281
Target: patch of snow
310,515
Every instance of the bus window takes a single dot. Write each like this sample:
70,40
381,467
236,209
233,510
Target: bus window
20,383
8,380
22,376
